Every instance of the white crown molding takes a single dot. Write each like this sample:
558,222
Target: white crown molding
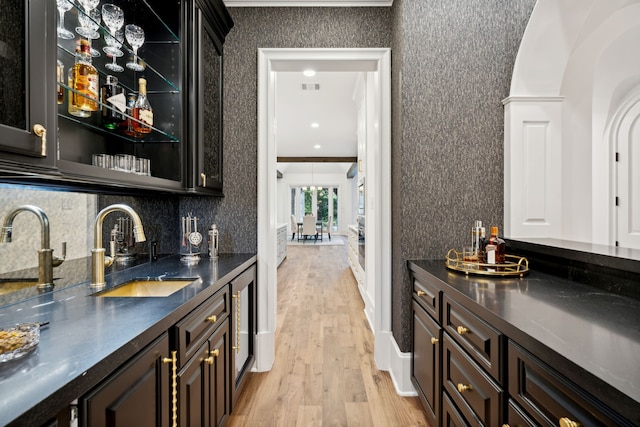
308,3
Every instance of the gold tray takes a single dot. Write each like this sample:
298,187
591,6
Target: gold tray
513,265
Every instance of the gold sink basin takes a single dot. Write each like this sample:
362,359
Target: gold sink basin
146,288
11,285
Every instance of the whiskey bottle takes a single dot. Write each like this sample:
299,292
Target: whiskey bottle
113,103
72,108
85,80
494,250
142,111
127,125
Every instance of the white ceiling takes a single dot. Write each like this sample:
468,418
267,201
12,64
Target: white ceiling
329,104
306,3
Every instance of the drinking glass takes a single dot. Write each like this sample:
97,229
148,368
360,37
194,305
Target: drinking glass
113,18
114,42
63,7
135,37
87,6
89,25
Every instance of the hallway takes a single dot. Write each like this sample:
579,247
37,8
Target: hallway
324,372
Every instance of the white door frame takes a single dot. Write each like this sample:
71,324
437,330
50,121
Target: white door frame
378,257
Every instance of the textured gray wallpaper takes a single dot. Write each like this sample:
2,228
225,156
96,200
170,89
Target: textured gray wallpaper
452,67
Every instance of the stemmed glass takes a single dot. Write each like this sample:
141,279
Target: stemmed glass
114,42
88,6
113,18
63,7
89,25
135,37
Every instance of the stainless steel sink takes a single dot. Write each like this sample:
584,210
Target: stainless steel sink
147,287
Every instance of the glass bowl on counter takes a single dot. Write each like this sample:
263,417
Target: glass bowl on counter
18,340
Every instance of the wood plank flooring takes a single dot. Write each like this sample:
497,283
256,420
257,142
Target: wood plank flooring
324,372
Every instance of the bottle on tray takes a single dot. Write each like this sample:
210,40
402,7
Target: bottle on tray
494,250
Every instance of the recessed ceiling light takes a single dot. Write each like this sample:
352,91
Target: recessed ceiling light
309,73
315,125
317,146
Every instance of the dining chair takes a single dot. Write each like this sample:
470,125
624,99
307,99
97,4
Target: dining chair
294,227
309,227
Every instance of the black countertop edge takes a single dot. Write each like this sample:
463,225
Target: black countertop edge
89,337
608,256
494,299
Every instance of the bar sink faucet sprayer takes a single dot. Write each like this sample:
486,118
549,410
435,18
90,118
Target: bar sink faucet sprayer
46,260
98,259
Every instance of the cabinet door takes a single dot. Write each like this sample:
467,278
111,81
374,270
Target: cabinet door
138,394
211,24
193,390
425,365
27,42
219,381
243,327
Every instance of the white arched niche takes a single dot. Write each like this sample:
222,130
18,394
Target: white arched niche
575,81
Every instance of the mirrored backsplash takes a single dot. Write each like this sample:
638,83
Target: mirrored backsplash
70,215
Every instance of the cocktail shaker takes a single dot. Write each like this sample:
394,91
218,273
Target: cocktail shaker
212,240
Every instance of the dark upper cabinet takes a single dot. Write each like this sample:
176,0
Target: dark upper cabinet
211,22
27,99
181,57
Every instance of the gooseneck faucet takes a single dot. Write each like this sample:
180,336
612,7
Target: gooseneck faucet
46,260
98,259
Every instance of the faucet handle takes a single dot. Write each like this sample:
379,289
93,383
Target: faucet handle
59,260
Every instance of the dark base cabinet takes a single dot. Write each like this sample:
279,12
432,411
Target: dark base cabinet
138,394
487,377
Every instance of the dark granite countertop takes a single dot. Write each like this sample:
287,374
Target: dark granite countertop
88,337
587,329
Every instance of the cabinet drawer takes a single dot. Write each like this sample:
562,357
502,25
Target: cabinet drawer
482,342
547,396
476,395
450,415
516,416
428,296
194,329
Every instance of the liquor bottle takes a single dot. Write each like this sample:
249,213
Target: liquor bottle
72,108
127,125
476,232
494,250
60,80
142,111
85,80
113,103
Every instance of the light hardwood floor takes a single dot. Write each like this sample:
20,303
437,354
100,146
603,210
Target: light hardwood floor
324,373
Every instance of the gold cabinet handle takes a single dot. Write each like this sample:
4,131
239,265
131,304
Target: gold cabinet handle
464,387
212,319
208,360
203,177
238,318
566,422
421,293
174,386
40,131
434,340
462,330
216,352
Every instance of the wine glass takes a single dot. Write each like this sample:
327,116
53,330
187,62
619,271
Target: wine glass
113,18
114,42
63,7
87,6
89,25
135,37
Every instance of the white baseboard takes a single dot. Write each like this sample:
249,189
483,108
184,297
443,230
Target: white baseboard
400,369
265,351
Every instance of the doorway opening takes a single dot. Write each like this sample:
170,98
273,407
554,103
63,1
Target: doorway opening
377,64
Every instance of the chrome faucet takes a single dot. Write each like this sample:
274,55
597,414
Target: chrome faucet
98,259
46,260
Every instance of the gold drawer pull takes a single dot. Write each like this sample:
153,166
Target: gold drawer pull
203,177
174,386
212,319
216,352
421,293
464,387
566,422
434,340
462,330
40,131
208,360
